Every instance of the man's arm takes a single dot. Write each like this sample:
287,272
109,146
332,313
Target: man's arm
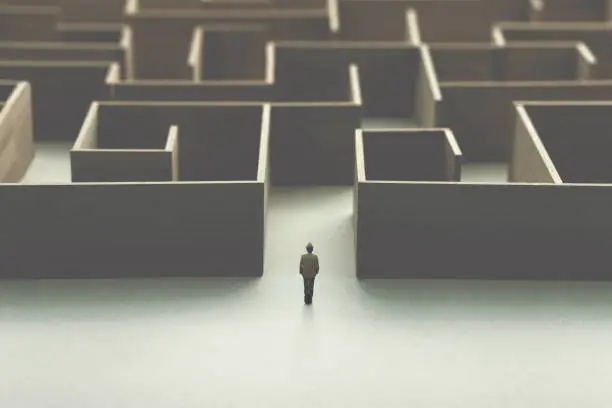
317,264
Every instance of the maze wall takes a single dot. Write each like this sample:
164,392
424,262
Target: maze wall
183,113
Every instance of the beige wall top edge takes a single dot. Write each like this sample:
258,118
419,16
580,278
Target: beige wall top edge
586,53
270,63
413,29
131,8
404,130
264,141
553,25
233,27
127,37
224,104
18,91
195,49
60,45
52,64
415,1
431,73
130,151
344,44
338,104
229,13
537,142
497,36
552,104
475,183
511,45
334,15
189,83
452,142
484,184
91,26
537,5
173,133
232,104
29,9
355,84
458,46
510,84
360,156
128,183
113,75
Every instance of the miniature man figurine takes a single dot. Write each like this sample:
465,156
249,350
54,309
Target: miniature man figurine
309,268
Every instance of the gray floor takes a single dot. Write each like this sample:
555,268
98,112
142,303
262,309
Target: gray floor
485,173
51,164
252,343
387,123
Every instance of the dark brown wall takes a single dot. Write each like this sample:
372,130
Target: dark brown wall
82,10
153,28
509,10
6,89
113,230
405,155
310,75
313,145
61,52
388,75
440,20
234,54
538,63
131,128
574,10
61,94
459,230
482,115
597,40
577,139
120,165
28,23
217,143
134,91
465,64
483,63
96,32
230,5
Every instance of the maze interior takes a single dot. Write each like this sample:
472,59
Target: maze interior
178,116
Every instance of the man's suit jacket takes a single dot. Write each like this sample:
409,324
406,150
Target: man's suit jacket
309,265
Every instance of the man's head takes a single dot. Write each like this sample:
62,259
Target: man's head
309,248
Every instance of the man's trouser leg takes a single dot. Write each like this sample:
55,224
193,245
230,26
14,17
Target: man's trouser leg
308,289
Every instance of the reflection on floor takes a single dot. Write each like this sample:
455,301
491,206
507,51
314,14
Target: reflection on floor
387,123
485,173
51,164
252,343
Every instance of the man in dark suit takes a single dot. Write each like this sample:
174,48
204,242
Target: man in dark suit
309,268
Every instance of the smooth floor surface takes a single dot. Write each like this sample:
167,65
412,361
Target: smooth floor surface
51,164
252,343
387,123
485,173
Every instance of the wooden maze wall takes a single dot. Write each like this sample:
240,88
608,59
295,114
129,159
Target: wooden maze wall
183,113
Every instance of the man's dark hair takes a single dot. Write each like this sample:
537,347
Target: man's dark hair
309,248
